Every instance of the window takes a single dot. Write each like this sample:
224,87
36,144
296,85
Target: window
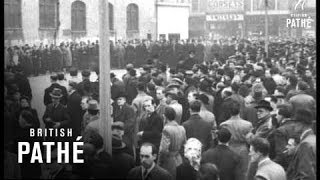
78,16
195,5
132,17
12,14
111,24
48,13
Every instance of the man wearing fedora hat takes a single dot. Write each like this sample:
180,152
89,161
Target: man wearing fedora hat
54,84
91,117
56,115
123,112
122,162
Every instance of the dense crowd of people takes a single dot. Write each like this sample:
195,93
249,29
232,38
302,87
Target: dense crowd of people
201,110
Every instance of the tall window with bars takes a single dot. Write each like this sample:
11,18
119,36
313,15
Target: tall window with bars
12,14
132,17
48,14
78,16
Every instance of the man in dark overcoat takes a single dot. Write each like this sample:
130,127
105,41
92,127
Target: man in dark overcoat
74,108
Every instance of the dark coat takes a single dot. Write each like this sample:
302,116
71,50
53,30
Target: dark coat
23,85
279,140
198,128
224,111
122,163
152,130
157,173
36,122
117,88
58,114
226,160
28,170
85,88
74,110
125,115
47,98
303,164
186,172
189,62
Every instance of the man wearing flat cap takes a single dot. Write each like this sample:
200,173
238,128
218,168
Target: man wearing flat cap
56,115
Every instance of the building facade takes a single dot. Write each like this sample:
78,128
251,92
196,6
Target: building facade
35,21
216,18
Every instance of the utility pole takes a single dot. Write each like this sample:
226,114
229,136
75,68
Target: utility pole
266,29
104,76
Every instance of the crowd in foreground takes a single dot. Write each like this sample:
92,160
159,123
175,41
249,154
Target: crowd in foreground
244,116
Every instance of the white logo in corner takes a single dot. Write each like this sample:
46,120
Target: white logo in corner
301,3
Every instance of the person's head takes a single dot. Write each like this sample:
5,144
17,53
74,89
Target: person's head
141,86
24,102
263,109
192,150
191,54
72,86
259,148
204,99
56,95
93,141
60,76
149,105
292,80
117,128
148,154
171,97
209,171
234,108
85,74
195,106
54,78
223,135
302,86
169,114
284,111
93,107
129,67
226,93
26,119
192,96
84,102
303,115
160,93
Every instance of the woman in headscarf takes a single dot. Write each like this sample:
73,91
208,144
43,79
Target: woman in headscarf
189,169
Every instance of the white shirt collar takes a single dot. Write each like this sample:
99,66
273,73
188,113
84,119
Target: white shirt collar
263,160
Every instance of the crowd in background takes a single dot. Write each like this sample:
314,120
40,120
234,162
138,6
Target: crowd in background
199,110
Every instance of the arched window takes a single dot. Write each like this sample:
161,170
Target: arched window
111,24
48,13
12,14
132,17
78,16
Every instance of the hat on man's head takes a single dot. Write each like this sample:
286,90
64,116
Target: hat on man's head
117,125
264,104
173,84
85,73
117,143
93,105
73,84
121,94
129,66
56,93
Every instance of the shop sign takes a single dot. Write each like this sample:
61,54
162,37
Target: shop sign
225,5
224,17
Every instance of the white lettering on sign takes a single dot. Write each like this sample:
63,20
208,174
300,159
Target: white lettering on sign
225,17
299,23
225,5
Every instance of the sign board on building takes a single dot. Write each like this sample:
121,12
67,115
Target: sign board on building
218,6
224,17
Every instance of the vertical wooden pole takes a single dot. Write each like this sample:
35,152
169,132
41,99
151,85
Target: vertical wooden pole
104,76
266,29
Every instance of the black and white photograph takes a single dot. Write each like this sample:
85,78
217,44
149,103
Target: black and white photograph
160,89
